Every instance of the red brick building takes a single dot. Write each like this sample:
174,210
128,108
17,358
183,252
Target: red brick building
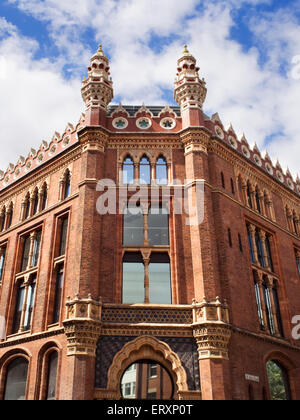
85,295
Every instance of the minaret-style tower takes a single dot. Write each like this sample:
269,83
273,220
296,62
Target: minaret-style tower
189,91
97,90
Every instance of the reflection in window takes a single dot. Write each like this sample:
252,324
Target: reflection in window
145,171
63,236
160,279
2,261
16,378
158,226
161,171
133,278
142,384
133,232
278,382
128,171
58,293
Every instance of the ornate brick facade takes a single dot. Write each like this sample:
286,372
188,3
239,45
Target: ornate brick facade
235,277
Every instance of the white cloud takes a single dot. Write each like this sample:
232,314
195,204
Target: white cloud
35,100
261,101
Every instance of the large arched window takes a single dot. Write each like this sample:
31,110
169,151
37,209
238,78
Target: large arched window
161,171
16,379
128,171
278,382
145,171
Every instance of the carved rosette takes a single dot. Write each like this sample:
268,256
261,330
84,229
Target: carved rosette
211,329
83,326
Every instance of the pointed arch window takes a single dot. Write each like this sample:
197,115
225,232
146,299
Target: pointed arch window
161,171
249,196
35,206
27,207
2,219
44,197
145,171
16,380
128,171
10,214
67,184
2,261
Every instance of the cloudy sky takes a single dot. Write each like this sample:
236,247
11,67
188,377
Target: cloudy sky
248,52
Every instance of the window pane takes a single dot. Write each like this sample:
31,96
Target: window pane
158,227
145,171
52,373
25,256
160,279
133,230
29,306
133,279
58,294
161,172
128,171
36,249
67,189
2,261
63,236
18,309
16,380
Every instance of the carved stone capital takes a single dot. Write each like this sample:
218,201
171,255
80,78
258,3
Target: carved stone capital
211,329
195,141
83,326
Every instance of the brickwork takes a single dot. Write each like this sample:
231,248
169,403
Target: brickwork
214,298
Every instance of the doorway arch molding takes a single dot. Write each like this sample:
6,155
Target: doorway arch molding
145,348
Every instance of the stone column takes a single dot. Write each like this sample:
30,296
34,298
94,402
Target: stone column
252,230
263,236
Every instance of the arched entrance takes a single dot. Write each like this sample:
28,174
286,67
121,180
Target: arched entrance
151,350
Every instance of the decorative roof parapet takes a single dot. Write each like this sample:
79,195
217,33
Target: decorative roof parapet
253,154
37,157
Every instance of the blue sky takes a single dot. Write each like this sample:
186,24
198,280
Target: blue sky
244,48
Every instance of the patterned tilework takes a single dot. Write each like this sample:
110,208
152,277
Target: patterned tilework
154,316
185,348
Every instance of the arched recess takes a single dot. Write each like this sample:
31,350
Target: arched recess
146,348
287,366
